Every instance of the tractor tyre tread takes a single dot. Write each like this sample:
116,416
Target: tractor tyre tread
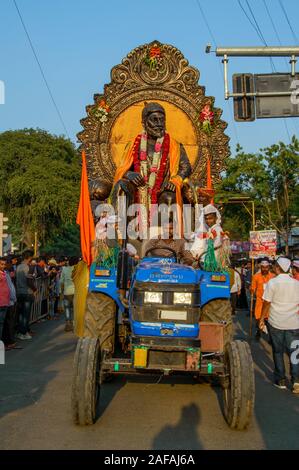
99,319
83,397
242,387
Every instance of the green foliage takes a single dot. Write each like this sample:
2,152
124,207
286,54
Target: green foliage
39,183
271,179
67,242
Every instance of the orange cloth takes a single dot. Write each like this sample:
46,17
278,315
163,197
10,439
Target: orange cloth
174,160
84,216
257,286
209,177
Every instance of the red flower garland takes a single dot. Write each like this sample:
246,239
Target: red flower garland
160,176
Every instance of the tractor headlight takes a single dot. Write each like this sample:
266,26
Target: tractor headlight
182,298
153,297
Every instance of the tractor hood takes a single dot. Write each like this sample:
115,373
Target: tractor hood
165,270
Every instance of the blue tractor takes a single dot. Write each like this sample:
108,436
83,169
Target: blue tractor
160,317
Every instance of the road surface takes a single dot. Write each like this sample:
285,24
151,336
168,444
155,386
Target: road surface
136,413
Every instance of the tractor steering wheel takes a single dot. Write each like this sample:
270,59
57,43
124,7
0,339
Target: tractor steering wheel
173,252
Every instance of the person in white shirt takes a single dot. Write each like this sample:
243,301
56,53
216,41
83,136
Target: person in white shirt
281,300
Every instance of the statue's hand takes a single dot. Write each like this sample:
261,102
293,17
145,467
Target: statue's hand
168,186
135,178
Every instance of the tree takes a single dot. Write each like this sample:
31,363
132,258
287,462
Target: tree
39,183
66,243
271,179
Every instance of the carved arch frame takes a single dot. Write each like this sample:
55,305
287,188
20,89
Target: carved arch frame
133,81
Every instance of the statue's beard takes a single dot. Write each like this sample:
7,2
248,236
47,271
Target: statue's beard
156,132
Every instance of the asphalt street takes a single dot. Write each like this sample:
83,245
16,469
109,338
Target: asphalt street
136,412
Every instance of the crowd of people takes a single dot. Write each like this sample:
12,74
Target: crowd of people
24,281
273,295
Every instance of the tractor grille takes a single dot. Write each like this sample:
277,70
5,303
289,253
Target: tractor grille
167,291
152,312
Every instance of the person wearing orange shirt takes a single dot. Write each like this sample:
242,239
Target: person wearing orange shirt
258,283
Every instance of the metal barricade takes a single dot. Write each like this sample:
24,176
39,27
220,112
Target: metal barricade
40,306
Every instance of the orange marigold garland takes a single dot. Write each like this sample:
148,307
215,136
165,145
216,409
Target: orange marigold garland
153,57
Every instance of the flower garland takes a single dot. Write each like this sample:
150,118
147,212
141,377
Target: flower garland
154,175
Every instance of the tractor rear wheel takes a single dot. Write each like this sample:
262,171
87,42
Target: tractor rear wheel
86,381
239,390
99,320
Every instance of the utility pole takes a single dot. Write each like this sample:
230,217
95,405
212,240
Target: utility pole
2,228
243,200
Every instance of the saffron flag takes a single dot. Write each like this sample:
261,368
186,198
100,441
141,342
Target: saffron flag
84,216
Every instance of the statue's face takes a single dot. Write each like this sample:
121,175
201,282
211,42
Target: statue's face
155,125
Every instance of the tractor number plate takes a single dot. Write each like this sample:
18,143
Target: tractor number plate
173,315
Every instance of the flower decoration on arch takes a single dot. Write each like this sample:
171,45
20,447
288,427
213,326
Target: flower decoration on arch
206,119
101,111
153,57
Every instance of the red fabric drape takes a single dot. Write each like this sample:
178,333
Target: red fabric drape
84,216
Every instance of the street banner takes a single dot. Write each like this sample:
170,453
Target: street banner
263,243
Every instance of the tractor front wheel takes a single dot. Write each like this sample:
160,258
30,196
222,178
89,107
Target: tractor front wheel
99,319
86,381
239,389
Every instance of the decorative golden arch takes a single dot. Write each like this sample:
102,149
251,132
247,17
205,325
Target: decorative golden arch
152,72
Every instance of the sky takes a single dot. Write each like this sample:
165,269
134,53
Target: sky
78,42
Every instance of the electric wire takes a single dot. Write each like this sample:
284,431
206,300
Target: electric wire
280,43
261,36
41,69
274,27
260,33
250,21
256,23
220,68
288,21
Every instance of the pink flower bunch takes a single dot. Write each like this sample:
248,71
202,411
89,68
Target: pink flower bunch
143,155
158,147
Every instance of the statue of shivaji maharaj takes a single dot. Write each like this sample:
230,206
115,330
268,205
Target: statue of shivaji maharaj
154,164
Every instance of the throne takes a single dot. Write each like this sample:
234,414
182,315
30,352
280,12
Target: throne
154,72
